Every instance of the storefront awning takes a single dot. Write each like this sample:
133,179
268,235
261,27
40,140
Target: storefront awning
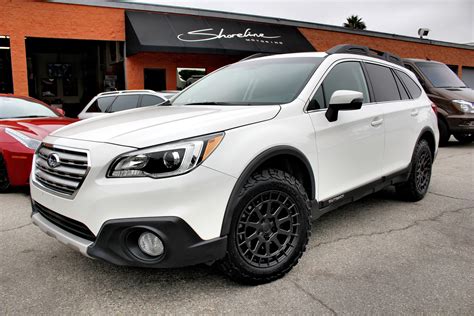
152,32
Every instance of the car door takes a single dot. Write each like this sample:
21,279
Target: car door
350,149
406,125
400,113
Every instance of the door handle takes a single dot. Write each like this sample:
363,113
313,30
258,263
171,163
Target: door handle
376,123
414,112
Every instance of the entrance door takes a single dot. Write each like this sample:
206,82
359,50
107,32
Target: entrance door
350,150
155,79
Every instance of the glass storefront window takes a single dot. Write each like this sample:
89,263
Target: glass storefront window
187,76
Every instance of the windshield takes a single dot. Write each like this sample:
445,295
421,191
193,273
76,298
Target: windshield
19,108
440,75
252,82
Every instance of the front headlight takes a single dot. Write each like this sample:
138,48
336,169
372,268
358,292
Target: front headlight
25,140
464,106
165,160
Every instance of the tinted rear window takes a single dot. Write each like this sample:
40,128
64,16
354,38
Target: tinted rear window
412,87
125,102
100,104
383,83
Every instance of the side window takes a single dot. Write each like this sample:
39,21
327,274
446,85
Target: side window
317,102
401,89
148,100
412,87
124,102
345,76
383,83
100,104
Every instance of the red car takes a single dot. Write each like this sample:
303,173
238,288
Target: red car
24,122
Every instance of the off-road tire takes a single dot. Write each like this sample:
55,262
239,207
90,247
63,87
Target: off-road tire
420,174
4,182
464,138
270,187
444,133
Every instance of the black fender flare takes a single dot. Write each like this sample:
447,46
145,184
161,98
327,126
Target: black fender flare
252,166
423,131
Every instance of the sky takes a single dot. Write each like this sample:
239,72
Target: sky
448,20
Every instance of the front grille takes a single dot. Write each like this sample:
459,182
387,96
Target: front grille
67,176
72,226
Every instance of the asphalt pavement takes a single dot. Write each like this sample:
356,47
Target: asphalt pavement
376,256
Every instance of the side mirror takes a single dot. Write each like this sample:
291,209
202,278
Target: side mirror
60,111
343,100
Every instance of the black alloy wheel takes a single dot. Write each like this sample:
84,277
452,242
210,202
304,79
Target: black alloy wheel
416,187
270,228
423,171
267,229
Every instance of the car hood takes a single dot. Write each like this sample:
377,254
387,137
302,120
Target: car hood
157,125
466,94
37,128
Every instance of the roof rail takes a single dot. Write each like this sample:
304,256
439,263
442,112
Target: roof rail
366,51
125,91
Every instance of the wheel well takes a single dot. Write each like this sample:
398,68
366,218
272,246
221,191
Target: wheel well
292,165
429,137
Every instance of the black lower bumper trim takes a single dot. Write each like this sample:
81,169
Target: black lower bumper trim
183,247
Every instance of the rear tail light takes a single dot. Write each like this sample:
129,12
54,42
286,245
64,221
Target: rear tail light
434,108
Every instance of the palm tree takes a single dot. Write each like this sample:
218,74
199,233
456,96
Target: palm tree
354,22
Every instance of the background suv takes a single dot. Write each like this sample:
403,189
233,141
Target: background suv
235,169
455,101
116,101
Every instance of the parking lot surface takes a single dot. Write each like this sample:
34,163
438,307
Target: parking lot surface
378,255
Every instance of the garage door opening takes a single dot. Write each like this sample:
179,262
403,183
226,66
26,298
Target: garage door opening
69,73
155,79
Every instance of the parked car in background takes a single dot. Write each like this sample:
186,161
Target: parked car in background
236,169
24,122
116,101
454,99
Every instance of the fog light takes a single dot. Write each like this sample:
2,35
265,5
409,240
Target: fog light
150,244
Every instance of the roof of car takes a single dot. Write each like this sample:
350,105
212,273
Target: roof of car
421,60
126,92
324,54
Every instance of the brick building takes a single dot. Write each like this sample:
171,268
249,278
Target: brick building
68,51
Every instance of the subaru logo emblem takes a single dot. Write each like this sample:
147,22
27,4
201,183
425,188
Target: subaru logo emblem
53,160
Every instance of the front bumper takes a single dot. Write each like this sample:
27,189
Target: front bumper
186,211
461,123
75,242
115,244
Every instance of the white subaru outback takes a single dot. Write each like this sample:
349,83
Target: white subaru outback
236,167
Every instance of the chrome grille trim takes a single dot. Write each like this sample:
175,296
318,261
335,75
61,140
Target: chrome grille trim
66,179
